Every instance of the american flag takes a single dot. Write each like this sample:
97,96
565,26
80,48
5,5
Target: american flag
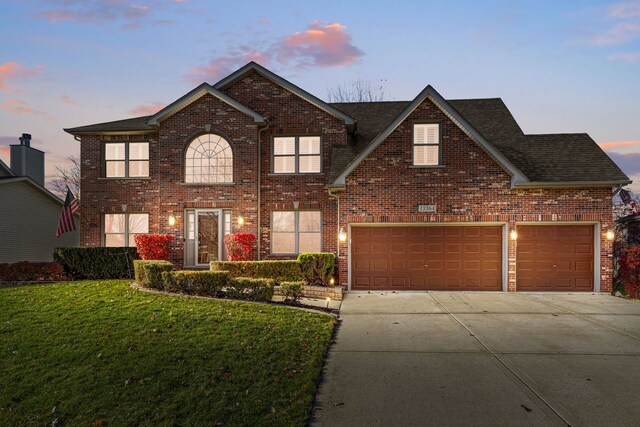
628,200
69,209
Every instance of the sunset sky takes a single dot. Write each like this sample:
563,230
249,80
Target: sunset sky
560,66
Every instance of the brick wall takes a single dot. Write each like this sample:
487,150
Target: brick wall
469,187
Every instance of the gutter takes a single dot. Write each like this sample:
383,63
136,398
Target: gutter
570,184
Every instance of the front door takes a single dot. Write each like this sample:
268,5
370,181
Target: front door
204,231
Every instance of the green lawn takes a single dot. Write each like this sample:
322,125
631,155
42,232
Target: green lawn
101,353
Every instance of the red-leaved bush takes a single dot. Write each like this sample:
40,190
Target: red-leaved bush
32,272
629,272
153,246
239,245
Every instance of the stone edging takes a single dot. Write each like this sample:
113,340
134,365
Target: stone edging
322,292
138,287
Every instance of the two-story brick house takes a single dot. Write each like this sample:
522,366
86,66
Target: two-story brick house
423,194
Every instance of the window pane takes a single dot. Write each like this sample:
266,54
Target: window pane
284,164
309,242
283,243
309,221
114,151
115,169
284,145
426,134
114,223
139,151
283,221
425,155
139,168
138,223
309,145
309,164
114,240
191,225
132,240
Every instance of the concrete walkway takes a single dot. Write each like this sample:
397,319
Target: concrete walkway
489,359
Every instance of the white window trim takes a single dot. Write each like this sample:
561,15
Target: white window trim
296,155
296,231
125,160
438,144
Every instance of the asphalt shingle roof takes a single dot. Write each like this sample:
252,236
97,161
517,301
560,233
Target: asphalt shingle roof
131,125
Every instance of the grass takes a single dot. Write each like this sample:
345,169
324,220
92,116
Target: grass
102,353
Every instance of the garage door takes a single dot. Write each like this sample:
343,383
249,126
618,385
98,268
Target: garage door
426,258
555,258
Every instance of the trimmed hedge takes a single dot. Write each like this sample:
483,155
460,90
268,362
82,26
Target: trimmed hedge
208,283
279,271
317,267
32,272
251,289
84,262
291,291
148,273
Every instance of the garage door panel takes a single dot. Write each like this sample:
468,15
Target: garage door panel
425,258
555,258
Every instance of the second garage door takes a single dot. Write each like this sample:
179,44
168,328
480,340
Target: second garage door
555,258
426,258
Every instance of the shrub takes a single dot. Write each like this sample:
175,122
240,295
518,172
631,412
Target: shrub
85,262
207,283
317,267
251,289
149,272
280,271
153,246
239,245
630,271
32,272
291,291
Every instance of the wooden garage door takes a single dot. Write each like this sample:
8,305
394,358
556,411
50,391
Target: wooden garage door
426,258
555,258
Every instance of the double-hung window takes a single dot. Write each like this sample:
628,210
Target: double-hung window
426,144
297,155
293,232
120,228
126,159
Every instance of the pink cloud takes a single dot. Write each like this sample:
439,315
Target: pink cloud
131,15
147,110
4,153
320,45
620,33
629,57
17,106
625,10
225,65
608,145
13,70
66,100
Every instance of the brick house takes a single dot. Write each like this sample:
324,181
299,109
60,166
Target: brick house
422,194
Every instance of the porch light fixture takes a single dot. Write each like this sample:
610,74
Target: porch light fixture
342,236
240,220
332,281
328,301
514,234
610,235
172,220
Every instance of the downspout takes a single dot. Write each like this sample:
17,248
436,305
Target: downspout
259,183
338,223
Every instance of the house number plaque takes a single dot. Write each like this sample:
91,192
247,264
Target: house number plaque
426,208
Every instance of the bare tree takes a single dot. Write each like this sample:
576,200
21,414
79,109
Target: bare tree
358,91
67,176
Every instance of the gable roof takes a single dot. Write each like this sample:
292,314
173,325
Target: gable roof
5,171
252,66
457,118
133,125
196,94
576,159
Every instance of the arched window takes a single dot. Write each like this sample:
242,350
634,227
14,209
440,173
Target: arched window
209,159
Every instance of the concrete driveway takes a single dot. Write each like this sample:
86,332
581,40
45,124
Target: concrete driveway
492,359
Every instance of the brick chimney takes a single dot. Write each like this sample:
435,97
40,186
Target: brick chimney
27,161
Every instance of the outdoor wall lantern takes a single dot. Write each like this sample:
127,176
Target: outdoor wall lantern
172,220
240,220
342,236
610,235
514,234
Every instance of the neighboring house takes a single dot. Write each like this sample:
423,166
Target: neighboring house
29,212
423,194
